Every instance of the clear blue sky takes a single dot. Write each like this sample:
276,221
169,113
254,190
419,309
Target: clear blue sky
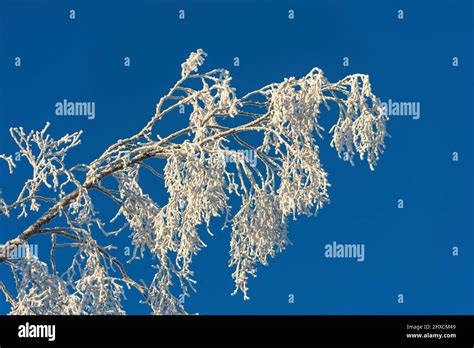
407,251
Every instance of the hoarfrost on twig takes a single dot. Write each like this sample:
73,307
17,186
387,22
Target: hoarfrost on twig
200,175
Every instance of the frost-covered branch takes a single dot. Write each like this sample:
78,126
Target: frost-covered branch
278,123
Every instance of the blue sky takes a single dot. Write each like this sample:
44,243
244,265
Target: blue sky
407,251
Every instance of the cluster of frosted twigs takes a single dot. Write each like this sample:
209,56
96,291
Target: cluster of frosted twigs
288,181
